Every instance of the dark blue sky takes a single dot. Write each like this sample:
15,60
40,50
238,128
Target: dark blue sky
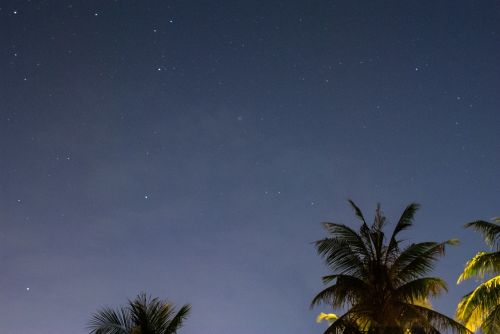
191,149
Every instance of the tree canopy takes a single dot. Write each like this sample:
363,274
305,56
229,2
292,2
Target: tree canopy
381,282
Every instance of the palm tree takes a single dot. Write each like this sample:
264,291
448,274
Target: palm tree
143,315
480,309
379,282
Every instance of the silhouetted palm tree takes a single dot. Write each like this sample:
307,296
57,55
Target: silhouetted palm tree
481,307
379,282
143,315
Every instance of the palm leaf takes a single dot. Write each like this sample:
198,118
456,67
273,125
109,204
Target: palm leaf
418,259
338,254
357,211
377,235
355,241
489,230
345,324
491,325
475,306
404,222
364,230
480,265
419,289
346,289
142,315
437,321
109,321
178,320
141,310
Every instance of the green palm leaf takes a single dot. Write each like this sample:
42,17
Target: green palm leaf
480,265
491,325
476,306
479,309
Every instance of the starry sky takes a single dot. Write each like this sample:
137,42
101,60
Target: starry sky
191,149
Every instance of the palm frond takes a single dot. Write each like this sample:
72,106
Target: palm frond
489,230
404,222
141,310
475,306
109,321
345,324
328,278
144,314
419,289
346,289
178,320
437,320
161,315
491,325
344,232
357,211
418,259
338,254
480,265
377,236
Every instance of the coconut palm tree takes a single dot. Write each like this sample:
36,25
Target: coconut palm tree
143,315
480,309
379,281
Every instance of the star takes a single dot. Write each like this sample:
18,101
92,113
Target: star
146,197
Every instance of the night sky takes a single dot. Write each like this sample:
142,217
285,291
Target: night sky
191,149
